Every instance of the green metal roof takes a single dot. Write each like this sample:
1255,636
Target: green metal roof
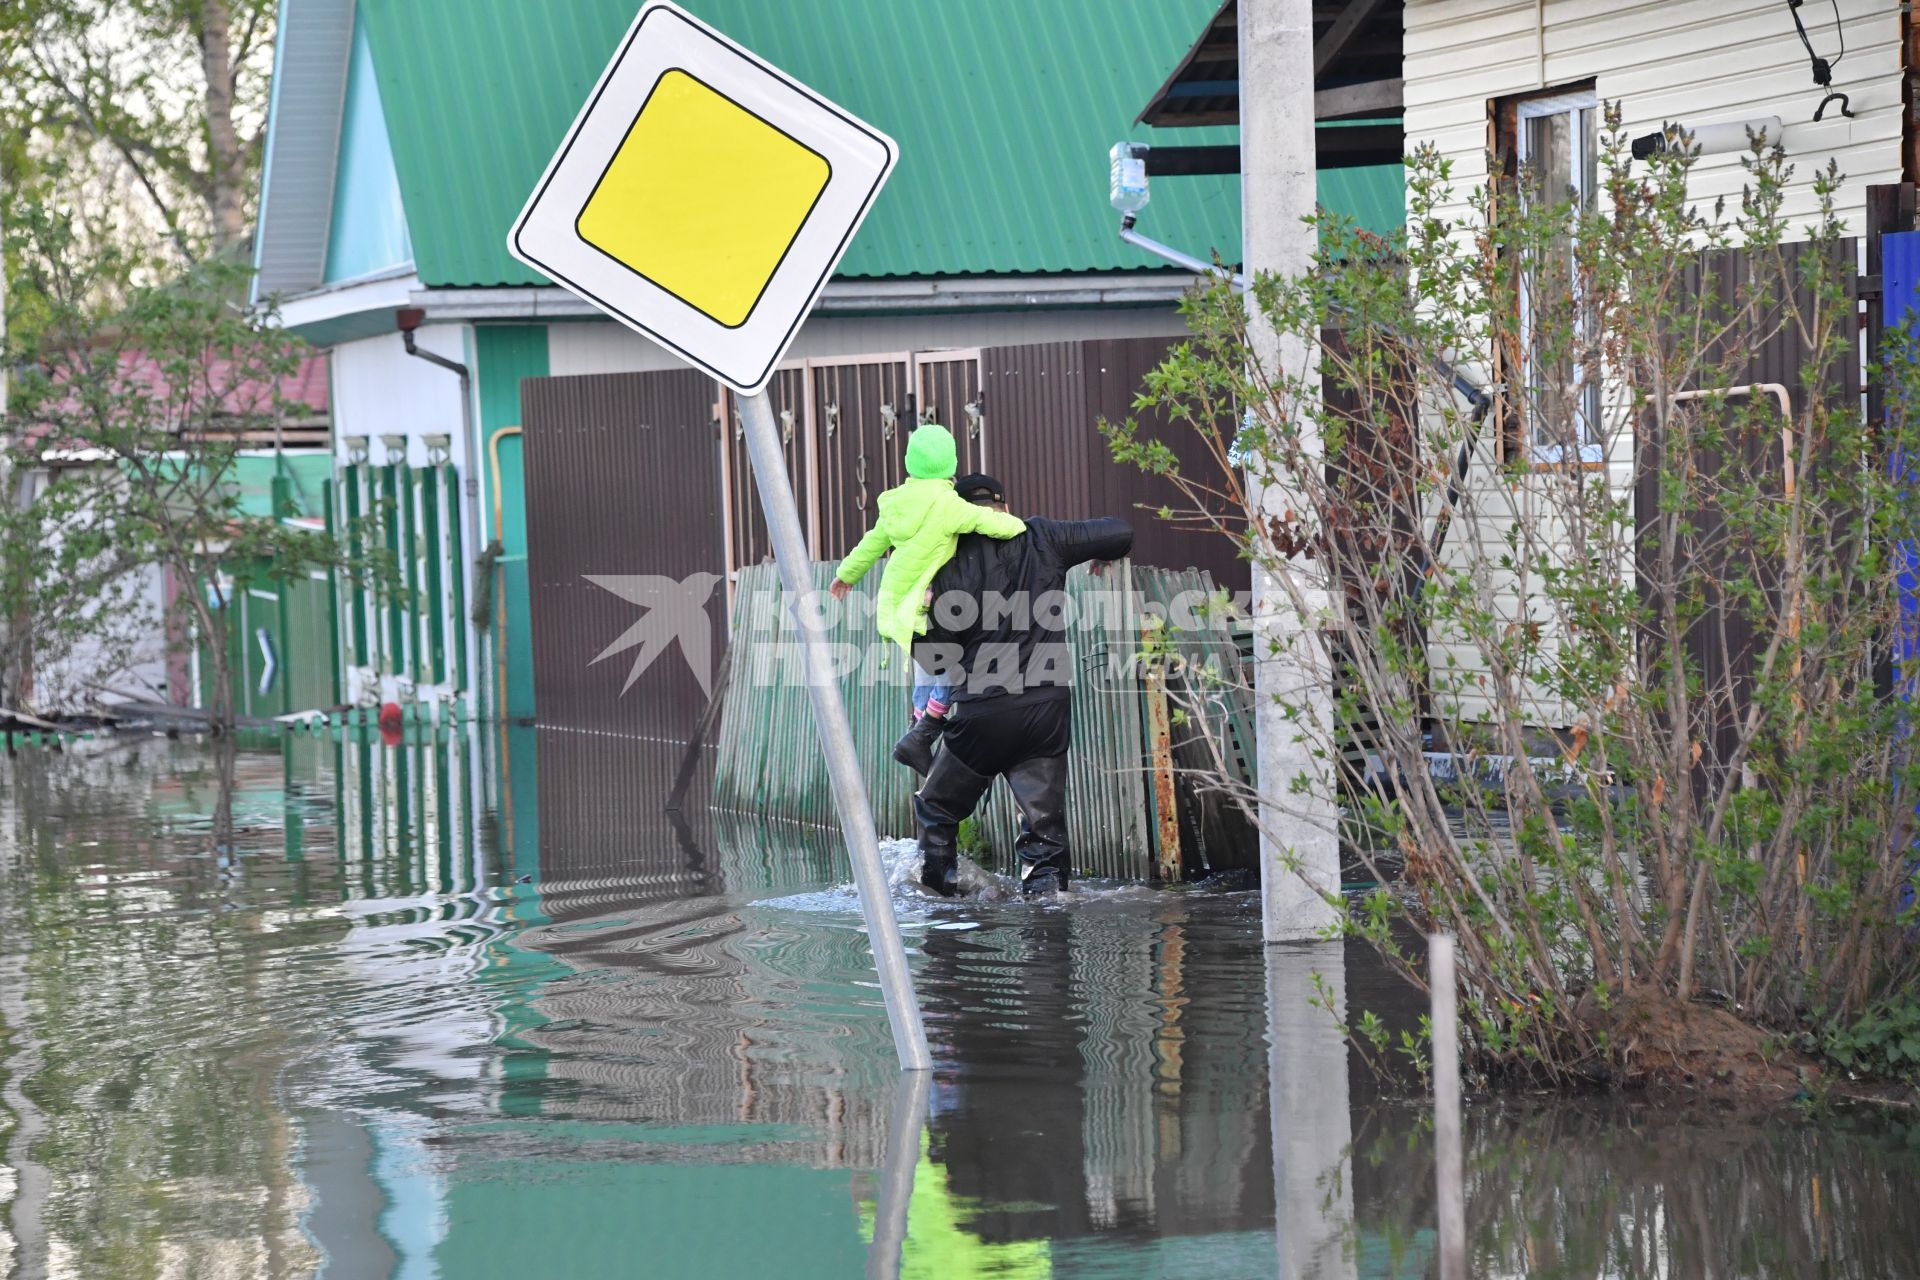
1003,109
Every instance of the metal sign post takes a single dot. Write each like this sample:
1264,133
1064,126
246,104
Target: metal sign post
703,197
836,734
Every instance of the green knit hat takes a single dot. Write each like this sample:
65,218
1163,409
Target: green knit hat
930,453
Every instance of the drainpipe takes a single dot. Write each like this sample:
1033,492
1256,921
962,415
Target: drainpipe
409,319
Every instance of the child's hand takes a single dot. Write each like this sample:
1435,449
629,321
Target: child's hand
839,589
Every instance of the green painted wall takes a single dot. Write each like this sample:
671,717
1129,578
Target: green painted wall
503,355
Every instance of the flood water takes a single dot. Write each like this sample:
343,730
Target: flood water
480,1007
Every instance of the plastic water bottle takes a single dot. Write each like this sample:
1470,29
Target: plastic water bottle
1129,184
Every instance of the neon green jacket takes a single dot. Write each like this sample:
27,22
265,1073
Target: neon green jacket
920,521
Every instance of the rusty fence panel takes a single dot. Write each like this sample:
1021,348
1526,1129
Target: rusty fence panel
1044,405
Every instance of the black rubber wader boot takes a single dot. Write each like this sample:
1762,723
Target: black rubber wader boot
943,801
915,748
1039,787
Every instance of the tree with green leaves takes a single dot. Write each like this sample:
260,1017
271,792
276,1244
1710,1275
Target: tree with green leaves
132,413
157,109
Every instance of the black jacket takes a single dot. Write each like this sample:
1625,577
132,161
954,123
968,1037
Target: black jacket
996,628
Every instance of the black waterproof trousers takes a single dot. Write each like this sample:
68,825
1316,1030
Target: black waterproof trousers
1023,739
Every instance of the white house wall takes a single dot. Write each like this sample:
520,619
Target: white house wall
604,347
1696,62
121,656
379,390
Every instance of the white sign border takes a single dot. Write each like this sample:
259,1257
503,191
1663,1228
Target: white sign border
860,159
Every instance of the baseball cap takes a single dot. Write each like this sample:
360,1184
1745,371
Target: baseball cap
980,487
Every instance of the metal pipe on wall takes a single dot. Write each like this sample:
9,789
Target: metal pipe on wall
409,319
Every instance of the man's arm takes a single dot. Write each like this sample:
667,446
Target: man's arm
1079,541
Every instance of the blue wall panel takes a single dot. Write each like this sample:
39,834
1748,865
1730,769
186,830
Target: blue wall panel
369,230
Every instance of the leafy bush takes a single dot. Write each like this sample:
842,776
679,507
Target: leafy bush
1883,1041
1599,656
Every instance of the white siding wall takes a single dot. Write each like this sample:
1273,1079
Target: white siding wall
122,654
378,389
605,347
1692,61
1697,62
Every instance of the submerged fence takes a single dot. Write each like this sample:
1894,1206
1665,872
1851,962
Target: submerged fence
768,763
1209,684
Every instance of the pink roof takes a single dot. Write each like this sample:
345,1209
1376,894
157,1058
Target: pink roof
304,388
306,385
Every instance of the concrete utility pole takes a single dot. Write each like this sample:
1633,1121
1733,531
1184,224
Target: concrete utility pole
1299,844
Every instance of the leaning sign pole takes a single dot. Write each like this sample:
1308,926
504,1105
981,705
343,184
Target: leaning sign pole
703,198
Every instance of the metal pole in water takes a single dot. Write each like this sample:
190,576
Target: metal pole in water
1449,1167
836,735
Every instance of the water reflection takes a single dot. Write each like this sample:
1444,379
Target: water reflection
1312,1124
471,1007
906,1132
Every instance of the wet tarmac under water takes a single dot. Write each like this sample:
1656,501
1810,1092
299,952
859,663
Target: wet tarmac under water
479,1008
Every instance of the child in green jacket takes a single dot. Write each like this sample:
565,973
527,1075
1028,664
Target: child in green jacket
921,521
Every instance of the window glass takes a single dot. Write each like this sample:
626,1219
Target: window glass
1559,153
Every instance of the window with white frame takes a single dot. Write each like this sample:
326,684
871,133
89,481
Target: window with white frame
1556,138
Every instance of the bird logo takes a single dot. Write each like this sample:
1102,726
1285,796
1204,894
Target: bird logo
676,609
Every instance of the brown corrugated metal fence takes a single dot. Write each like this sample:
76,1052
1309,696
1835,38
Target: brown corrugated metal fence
622,481
1722,642
645,474
1043,407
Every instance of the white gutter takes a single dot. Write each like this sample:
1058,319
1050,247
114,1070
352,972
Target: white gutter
959,293
383,291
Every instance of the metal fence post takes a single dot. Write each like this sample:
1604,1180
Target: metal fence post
1449,1174
836,735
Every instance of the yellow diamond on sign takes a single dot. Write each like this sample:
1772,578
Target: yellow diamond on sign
697,170
702,197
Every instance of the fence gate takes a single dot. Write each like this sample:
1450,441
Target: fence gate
746,525
625,551
844,423
859,420
946,388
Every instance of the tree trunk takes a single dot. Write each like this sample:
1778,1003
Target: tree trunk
221,705
225,749
226,170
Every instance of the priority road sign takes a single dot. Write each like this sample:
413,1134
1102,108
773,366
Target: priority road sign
702,197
